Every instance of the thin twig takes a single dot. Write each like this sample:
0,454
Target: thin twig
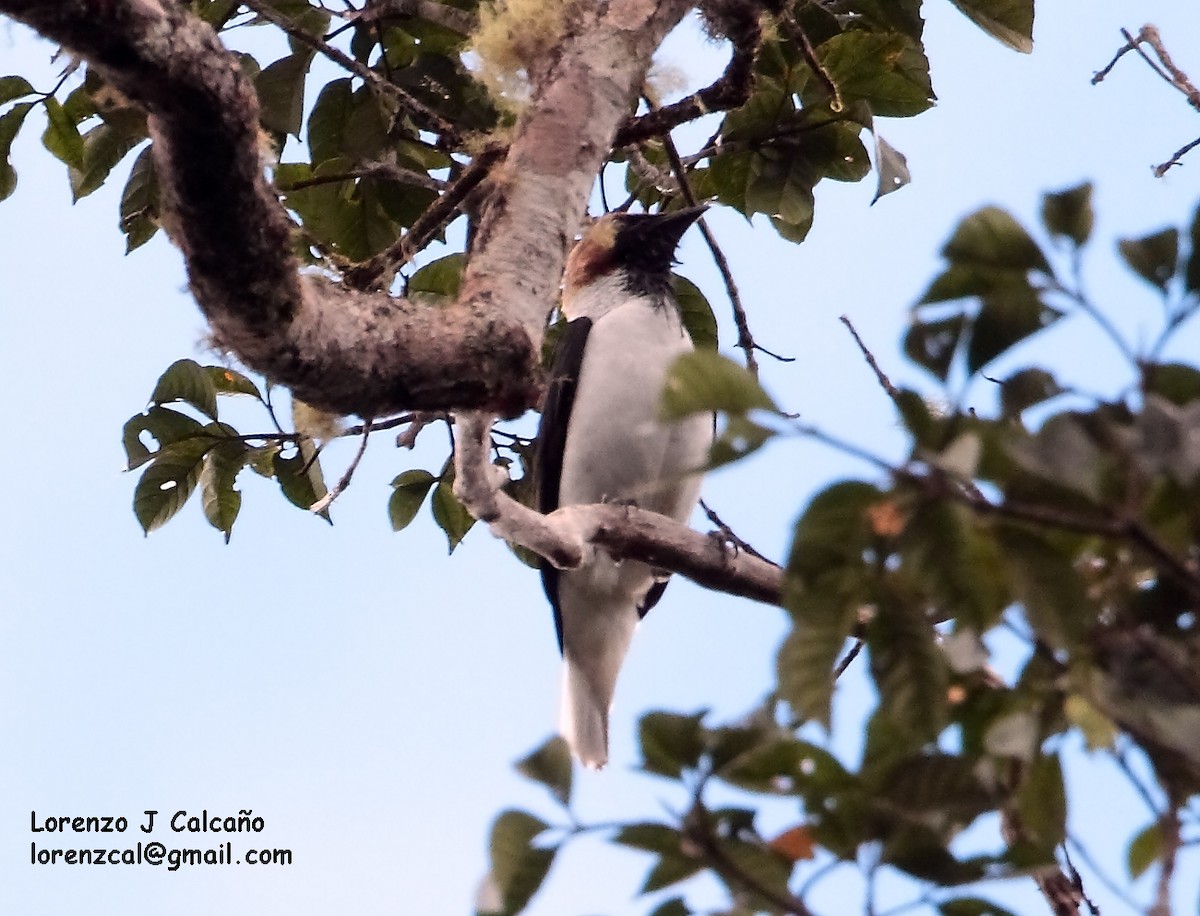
810,58
1118,756
884,382
435,121
745,339
1101,873
1163,168
428,224
323,503
728,534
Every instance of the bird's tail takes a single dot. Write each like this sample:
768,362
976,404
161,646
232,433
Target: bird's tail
594,648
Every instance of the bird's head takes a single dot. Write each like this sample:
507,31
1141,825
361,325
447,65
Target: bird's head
632,251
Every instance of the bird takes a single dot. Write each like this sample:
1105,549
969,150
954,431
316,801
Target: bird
602,438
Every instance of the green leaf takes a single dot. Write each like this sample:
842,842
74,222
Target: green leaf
139,203
782,188
14,87
187,381
1144,850
804,666
165,425
62,136
1153,257
1099,731
967,280
103,147
439,279
168,482
300,477
971,906
698,318
1042,803
408,492
939,791
671,742
230,381
327,123
1008,21
992,238
1068,214
550,765
451,515
887,70
1025,388
932,344
1063,453
281,93
891,167
220,501
518,867
705,381
10,123
1005,319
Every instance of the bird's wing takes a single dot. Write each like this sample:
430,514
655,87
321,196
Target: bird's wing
552,439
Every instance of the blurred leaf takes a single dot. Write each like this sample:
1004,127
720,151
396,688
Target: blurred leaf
824,621
281,93
940,791
1013,734
451,515
1005,319
782,189
990,237
834,531
518,867
1145,849
909,669
1191,273
62,136
1068,214
1099,731
971,906
1008,21
932,344
1176,382
886,69
698,318
1046,582
550,765
650,837
220,501
891,167
167,483
670,869
408,493
704,381
1153,257
739,438
1062,452
670,742
673,907
795,845
1042,803
1026,388
187,381
165,425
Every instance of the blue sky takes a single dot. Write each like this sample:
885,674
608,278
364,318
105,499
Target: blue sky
364,693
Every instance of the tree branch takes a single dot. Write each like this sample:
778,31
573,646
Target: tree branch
566,536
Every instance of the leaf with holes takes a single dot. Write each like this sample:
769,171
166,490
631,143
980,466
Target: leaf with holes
168,482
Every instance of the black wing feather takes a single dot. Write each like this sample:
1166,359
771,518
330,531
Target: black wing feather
552,439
